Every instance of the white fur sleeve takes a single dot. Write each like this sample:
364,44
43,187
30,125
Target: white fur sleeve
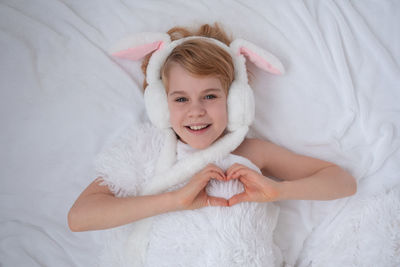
128,163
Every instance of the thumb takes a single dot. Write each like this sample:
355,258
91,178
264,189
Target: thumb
242,197
217,201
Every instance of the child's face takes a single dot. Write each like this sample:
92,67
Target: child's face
197,106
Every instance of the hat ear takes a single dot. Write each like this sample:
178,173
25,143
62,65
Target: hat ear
137,46
260,57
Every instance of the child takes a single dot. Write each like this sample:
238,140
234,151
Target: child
194,158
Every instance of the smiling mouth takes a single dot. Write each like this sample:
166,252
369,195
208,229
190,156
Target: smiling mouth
198,128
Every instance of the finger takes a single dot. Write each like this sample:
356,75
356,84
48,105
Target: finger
235,167
217,169
212,166
242,197
232,168
238,172
211,174
217,201
217,175
204,178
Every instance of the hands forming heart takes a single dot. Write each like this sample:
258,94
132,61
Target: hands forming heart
257,188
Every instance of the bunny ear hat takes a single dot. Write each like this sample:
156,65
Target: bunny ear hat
240,102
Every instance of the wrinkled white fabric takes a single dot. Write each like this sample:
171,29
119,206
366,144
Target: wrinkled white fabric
62,98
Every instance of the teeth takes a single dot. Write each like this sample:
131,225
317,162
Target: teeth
197,127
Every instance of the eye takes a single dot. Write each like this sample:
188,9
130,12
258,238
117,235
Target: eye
210,96
181,99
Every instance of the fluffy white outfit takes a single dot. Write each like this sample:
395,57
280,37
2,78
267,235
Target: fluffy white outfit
241,235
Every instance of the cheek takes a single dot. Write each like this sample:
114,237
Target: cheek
174,114
221,113
225,116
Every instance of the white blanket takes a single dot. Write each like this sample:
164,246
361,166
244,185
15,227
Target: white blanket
63,98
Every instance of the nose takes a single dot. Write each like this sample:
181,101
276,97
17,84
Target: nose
196,109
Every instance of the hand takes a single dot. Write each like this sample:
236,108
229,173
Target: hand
193,195
257,188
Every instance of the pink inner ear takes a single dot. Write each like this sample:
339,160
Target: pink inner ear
258,61
138,52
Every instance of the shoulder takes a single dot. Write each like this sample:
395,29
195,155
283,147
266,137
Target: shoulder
255,150
277,161
265,154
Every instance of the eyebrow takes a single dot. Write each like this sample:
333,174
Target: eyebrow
205,91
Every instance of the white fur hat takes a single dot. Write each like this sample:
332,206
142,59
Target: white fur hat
240,111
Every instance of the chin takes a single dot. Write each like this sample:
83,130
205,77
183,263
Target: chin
197,146
198,142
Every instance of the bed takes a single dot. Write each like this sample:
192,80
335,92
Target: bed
63,98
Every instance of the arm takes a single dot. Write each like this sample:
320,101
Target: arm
97,208
328,183
303,177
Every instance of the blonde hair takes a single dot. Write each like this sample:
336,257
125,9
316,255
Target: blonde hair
198,57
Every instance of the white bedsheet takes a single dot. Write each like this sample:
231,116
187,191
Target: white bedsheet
63,98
